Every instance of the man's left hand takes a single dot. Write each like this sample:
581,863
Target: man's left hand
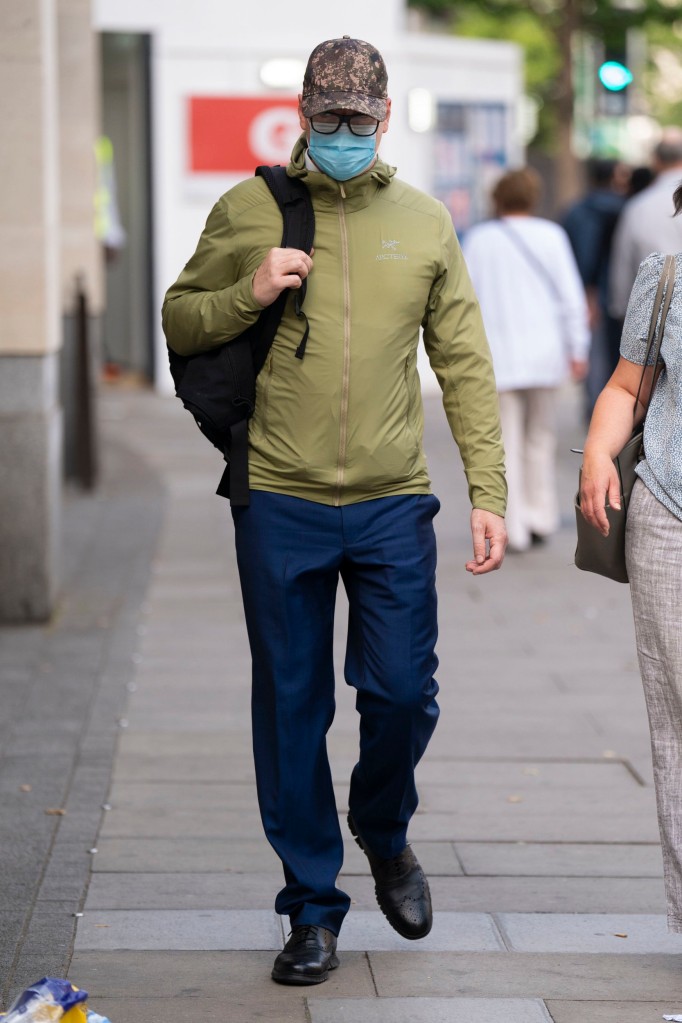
489,535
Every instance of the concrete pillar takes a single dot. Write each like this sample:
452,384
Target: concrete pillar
49,113
30,328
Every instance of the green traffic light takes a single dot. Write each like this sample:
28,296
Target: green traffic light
614,76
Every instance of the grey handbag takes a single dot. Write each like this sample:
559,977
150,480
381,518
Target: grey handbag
605,555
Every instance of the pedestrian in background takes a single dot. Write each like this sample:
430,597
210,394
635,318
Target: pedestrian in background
653,536
590,224
535,314
340,488
640,178
647,223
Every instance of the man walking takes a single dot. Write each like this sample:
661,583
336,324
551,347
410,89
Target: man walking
647,223
339,487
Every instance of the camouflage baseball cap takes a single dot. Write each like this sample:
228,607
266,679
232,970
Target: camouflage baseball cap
345,73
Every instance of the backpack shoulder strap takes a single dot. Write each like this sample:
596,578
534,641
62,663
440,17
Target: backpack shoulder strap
293,199
298,232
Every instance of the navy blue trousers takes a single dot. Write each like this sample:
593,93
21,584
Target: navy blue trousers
291,553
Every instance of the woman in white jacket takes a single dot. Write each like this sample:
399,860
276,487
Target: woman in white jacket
536,318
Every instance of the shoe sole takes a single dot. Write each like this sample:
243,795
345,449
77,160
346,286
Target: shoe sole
297,980
403,934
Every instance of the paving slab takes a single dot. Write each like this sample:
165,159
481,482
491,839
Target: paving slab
184,854
430,1010
173,930
452,771
595,776
182,891
16,895
452,932
149,746
612,1012
548,894
233,1005
510,820
167,719
589,932
52,924
188,703
566,859
207,819
11,925
525,799
181,794
186,976
528,975
531,736
185,800
235,767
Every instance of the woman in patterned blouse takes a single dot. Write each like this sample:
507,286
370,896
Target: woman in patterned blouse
653,543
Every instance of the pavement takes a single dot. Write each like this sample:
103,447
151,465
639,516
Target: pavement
131,853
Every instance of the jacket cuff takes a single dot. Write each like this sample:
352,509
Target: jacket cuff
243,300
488,490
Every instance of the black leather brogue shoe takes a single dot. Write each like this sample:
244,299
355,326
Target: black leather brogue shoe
307,957
401,889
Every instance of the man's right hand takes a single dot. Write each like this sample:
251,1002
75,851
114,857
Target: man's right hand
281,268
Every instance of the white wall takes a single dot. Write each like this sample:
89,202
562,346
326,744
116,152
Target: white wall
214,47
234,24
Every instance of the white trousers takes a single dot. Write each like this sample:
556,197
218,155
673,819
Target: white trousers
529,435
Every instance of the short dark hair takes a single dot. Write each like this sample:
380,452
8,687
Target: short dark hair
600,172
677,199
640,178
518,191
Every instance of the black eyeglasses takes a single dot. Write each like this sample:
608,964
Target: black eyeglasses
359,124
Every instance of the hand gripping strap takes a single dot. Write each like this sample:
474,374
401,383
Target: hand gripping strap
298,232
293,199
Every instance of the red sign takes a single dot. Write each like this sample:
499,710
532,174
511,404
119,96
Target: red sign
230,135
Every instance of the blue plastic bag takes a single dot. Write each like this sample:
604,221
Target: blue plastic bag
49,1000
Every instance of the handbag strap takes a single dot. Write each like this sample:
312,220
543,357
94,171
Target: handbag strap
530,257
666,285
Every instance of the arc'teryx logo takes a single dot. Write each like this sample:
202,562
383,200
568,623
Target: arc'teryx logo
389,247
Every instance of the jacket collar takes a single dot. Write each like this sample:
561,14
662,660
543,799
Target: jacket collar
356,193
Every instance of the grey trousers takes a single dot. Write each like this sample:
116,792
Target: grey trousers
653,551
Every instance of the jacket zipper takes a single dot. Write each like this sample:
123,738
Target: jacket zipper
343,421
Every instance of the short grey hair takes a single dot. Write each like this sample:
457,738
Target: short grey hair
668,152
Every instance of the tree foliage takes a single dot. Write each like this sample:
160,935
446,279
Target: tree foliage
607,19
663,81
544,29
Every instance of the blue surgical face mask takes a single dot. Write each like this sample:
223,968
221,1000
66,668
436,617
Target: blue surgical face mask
342,155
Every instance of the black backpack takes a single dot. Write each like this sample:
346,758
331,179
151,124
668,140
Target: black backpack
219,386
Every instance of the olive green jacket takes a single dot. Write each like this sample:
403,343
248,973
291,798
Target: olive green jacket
345,423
